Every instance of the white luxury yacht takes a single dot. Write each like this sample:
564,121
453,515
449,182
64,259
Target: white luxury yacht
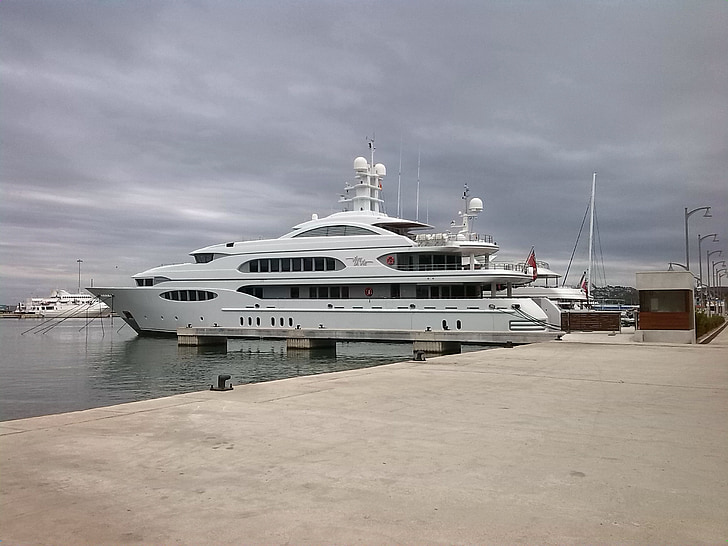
63,304
358,269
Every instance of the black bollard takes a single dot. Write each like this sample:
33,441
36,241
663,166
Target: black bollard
221,383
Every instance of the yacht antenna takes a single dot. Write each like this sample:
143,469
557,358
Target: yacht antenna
417,215
372,148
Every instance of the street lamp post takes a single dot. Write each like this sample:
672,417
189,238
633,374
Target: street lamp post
687,215
721,273
720,293
708,254
720,262
700,260
79,275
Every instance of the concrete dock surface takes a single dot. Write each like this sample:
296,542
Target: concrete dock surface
551,443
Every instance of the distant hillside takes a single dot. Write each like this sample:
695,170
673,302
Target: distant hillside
618,294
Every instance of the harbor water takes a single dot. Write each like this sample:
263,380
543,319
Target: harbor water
51,367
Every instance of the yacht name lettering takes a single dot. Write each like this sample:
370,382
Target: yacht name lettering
358,260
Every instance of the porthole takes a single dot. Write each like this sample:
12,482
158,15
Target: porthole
257,321
282,322
444,325
250,321
176,317
458,325
202,319
242,321
290,322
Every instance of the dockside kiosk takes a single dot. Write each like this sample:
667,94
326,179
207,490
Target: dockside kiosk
667,311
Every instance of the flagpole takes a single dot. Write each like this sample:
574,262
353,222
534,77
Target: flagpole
531,261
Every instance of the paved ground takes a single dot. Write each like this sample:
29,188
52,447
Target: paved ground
553,443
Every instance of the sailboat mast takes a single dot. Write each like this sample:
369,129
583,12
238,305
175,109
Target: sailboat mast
399,181
417,210
591,236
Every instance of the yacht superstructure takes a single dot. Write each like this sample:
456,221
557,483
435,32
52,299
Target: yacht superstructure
355,269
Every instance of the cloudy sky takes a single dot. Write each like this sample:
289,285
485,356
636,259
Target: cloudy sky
133,132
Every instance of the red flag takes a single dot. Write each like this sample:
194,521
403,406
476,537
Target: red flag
531,261
584,286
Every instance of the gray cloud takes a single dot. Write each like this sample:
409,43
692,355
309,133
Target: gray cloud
134,132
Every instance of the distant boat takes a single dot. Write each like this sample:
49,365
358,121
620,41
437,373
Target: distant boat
63,304
565,297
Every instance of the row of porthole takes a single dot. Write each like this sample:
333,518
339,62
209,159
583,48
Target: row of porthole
458,325
175,318
281,322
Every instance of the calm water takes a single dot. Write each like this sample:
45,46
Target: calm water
76,366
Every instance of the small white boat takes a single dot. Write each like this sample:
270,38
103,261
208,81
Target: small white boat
63,304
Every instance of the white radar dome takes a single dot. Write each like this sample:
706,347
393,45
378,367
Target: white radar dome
380,169
360,164
475,205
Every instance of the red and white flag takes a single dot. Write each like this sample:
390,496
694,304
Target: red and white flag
584,285
531,262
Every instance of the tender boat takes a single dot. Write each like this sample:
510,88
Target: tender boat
63,304
358,269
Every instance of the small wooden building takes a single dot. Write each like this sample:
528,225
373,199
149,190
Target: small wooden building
667,311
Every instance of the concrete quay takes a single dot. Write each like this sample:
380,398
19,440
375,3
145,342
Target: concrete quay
563,442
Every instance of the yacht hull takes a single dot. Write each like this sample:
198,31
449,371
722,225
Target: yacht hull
147,312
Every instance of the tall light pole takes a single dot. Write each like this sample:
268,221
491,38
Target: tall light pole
721,294
687,215
700,259
721,262
708,254
79,275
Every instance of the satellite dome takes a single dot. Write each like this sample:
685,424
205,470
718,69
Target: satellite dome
475,205
360,164
380,169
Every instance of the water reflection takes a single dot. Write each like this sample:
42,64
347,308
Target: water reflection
71,367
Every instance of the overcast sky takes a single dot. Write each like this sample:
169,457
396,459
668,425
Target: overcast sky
133,132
